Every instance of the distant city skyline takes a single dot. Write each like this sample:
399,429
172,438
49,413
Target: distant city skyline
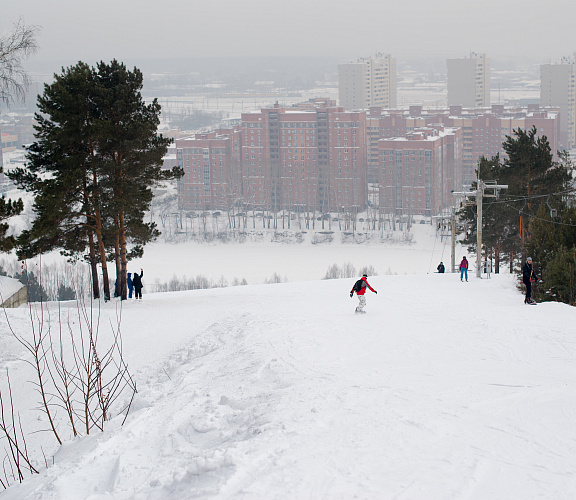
130,29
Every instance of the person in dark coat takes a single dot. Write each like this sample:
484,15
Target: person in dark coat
528,277
130,285
441,267
137,282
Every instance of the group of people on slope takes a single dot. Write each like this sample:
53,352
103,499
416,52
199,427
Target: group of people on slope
135,284
528,276
463,268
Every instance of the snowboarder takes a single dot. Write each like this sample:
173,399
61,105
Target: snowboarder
528,277
360,289
137,282
130,285
441,268
464,269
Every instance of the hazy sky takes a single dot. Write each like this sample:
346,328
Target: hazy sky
127,29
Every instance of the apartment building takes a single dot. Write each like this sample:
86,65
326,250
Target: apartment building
211,176
309,158
368,82
318,156
483,130
469,81
558,88
296,157
419,170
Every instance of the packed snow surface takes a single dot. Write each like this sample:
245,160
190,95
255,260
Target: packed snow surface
443,390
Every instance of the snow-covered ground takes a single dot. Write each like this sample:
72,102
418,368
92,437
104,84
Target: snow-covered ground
258,261
443,390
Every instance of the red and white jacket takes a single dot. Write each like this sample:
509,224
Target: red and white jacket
363,288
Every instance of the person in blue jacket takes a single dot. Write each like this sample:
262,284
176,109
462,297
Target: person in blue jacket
130,285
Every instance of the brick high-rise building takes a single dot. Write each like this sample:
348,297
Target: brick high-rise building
419,170
314,159
318,156
483,129
368,82
211,174
469,81
558,88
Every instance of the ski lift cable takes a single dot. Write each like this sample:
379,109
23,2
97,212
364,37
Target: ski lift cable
523,198
443,250
432,254
545,220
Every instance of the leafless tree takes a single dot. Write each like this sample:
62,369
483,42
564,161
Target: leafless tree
15,46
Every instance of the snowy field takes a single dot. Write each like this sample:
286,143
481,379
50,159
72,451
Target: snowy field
442,390
258,261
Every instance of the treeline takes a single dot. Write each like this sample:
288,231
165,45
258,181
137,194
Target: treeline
210,227
62,281
534,216
200,282
347,271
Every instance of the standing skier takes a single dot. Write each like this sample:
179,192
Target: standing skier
464,268
360,289
528,277
441,268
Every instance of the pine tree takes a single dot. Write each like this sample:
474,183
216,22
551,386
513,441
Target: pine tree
131,153
533,178
67,215
97,140
8,208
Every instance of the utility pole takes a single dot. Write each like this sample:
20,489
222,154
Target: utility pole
444,221
479,194
453,242
479,197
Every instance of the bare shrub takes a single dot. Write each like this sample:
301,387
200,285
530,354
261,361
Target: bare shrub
369,270
275,278
77,371
16,460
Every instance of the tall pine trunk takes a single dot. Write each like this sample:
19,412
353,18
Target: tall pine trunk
102,250
123,253
121,260
93,265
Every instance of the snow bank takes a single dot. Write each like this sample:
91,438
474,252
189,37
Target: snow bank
442,390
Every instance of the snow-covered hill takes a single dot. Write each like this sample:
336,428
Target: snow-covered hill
442,390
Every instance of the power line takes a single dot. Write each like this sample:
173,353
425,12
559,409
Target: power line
545,220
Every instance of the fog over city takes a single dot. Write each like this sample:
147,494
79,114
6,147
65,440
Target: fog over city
139,29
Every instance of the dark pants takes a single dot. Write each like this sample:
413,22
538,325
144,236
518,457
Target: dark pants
138,292
528,285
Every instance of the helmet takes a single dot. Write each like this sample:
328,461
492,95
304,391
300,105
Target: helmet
364,275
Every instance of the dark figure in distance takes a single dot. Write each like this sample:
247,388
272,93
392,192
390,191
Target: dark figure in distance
528,277
441,268
137,282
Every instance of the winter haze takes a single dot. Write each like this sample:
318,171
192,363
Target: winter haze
137,29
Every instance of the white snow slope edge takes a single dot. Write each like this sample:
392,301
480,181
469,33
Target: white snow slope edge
443,390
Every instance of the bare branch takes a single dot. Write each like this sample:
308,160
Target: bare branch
17,45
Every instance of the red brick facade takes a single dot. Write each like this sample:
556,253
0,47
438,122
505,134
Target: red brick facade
317,156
